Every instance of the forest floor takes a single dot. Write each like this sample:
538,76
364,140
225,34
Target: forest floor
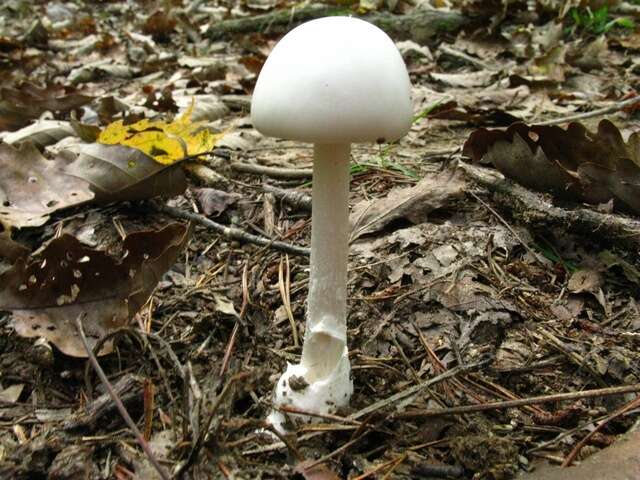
465,287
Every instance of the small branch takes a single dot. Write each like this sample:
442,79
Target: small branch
632,405
377,405
204,432
558,397
420,26
414,389
121,408
444,48
234,233
595,113
206,175
273,172
296,199
534,209
127,389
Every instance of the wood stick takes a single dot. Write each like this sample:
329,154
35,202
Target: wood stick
234,233
600,392
121,408
420,26
534,208
616,107
274,172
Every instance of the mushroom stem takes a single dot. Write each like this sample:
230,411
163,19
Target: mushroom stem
329,236
326,331
322,380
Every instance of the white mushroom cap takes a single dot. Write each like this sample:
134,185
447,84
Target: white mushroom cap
333,80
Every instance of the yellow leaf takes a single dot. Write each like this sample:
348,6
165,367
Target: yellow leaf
165,142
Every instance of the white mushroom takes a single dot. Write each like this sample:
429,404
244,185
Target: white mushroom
332,82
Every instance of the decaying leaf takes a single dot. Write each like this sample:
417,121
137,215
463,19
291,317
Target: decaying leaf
10,250
413,204
49,290
165,142
317,472
611,260
41,133
213,201
573,163
117,173
585,280
20,105
12,393
32,187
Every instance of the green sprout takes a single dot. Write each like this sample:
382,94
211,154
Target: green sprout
597,22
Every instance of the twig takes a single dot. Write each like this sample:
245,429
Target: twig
335,452
324,416
575,357
558,397
621,411
284,285
121,408
206,175
509,227
376,406
236,326
595,113
420,26
233,232
193,454
467,58
413,390
294,198
566,433
274,172
391,464
535,209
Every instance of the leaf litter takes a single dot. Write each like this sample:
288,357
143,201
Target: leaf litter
446,273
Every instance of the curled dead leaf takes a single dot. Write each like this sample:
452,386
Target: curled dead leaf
574,163
413,203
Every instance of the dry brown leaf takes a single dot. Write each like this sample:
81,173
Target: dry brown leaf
585,280
48,291
412,204
118,173
214,202
617,462
465,80
20,105
41,133
573,163
317,472
159,25
32,187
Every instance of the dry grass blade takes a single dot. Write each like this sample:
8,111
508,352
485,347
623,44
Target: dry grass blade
284,285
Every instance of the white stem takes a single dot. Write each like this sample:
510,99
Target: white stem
321,382
326,331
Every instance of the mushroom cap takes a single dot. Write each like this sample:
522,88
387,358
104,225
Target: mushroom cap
333,80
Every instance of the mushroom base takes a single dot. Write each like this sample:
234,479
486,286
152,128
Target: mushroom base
321,395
